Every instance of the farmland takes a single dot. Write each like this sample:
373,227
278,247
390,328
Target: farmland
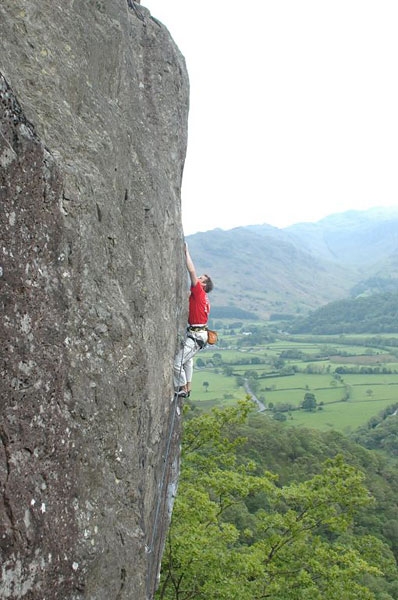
345,381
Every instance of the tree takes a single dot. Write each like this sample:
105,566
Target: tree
240,382
217,359
309,402
297,544
228,371
280,416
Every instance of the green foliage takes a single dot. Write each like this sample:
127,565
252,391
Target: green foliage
381,432
279,416
309,402
295,541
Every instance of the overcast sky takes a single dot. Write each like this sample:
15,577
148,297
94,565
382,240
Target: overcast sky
293,108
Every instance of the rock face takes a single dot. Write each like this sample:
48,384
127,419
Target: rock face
93,110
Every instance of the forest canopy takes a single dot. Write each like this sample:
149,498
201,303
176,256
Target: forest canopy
240,531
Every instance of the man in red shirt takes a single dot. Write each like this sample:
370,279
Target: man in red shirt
196,338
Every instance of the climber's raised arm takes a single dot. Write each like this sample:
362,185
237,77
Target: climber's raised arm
190,267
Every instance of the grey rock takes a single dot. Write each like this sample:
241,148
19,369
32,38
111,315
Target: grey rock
93,111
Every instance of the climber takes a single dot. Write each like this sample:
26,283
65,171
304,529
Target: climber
196,338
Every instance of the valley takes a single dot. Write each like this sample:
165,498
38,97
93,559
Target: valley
349,382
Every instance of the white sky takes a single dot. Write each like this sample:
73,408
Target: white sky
293,108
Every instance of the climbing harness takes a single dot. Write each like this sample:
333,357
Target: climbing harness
197,341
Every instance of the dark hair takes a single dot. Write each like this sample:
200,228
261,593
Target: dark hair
209,284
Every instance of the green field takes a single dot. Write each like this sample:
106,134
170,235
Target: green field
219,387
342,416
344,400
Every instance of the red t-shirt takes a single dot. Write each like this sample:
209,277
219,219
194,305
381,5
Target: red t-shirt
199,306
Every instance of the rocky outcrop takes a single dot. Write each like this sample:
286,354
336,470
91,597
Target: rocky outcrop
93,110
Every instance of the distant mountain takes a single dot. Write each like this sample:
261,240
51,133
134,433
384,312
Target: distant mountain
353,237
263,270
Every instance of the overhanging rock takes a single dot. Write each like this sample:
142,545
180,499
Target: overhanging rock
93,110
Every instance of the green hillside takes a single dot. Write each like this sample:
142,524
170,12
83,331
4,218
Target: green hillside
372,314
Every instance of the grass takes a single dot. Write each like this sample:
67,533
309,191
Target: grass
340,416
219,387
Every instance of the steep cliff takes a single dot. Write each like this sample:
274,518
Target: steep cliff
93,110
